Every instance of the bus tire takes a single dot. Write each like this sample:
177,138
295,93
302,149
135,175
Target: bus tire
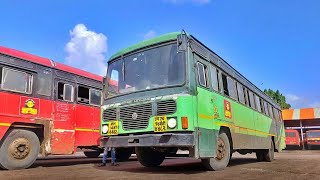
269,154
123,154
223,154
149,157
19,150
92,154
260,155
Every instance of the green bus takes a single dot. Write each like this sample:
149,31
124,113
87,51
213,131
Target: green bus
172,92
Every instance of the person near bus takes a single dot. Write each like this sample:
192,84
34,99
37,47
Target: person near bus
105,156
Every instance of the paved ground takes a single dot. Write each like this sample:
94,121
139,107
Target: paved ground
288,165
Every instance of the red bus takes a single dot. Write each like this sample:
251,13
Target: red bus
45,107
313,138
293,139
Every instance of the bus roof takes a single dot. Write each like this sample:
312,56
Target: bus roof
158,39
47,62
173,36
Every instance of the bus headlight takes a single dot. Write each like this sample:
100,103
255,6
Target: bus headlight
172,123
105,129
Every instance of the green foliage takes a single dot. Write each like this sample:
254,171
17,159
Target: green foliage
278,97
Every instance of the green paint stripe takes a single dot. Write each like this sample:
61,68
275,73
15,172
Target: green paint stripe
233,126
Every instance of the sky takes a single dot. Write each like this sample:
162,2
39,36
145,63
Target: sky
274,44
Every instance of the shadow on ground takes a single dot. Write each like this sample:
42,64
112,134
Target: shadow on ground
172,166
53,162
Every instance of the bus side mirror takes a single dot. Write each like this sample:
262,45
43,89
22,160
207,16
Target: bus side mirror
182,42
104,81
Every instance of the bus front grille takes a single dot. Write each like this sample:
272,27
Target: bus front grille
135,117
166,107
110,114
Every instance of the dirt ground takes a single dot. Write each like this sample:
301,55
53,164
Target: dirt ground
288,165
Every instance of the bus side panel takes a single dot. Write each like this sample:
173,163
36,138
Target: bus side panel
16,108
84,125
96,125
63,136
208,131
262,127
4,119
281,137
243,118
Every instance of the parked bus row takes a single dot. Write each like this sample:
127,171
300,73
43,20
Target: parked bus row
311,139
172,92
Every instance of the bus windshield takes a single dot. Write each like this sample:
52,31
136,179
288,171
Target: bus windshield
154,68
313,134
290,134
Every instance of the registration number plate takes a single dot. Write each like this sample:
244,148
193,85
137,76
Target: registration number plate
113,128
160,124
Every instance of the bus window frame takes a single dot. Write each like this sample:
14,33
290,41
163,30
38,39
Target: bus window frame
205,70
212,67
39,70
56,88
101,98
31,80
64,92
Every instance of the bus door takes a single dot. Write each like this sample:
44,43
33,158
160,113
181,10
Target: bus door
205,102
63,137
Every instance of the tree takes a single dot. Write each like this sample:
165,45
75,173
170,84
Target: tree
278,97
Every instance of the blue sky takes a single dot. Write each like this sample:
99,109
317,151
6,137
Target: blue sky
275,44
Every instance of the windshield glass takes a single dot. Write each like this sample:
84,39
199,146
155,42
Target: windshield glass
150,69
290,134
313,134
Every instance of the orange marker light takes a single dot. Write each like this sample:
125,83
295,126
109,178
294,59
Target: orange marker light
184,122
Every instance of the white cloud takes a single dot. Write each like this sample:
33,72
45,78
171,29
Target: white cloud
86,50
188,1
149,34
292,98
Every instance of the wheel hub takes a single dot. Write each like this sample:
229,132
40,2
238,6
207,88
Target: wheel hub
19,148
221,149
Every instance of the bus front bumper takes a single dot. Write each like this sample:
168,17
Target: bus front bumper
149,140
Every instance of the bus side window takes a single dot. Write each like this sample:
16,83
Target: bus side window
16,81
0,77
232,88
280,115
276,114
225,85
258,104
266,111
202,74
214,72
65,92
246,95
270,111
95,97
44,82
241,94
251,100
262,106
83,95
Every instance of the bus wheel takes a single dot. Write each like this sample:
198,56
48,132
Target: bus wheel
92,154
222,152
260,155
123,154
19,150
269,154
149,157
